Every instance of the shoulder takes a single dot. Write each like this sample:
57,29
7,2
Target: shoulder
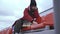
26,8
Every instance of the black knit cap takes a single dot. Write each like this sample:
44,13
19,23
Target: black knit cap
33,3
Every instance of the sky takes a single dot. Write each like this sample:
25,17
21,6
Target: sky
11,10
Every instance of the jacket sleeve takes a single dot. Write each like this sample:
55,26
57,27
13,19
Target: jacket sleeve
36,14
27,16
38,18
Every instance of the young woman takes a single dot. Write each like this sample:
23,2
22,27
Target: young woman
30,14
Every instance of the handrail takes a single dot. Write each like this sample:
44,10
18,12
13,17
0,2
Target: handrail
46,10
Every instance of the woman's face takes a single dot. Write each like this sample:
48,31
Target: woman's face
34,7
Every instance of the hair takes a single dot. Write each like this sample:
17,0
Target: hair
33,3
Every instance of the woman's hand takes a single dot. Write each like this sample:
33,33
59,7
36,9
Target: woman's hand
34,22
